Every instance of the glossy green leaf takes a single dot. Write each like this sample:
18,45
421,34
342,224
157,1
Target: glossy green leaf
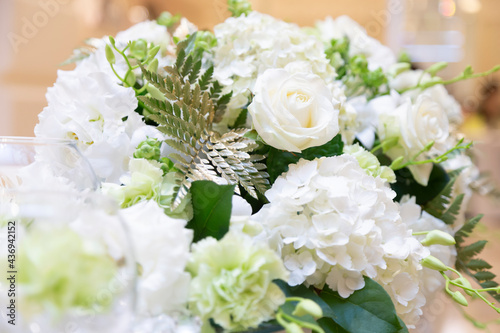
211,209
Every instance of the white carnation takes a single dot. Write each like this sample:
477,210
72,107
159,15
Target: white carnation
161,246
332,223
88,106
378,55
248,45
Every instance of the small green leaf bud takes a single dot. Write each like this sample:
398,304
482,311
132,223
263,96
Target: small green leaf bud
437,67
434,263
428,146
465,283
459,298
155,93
130,78
468,71
154,51
397,163
139,49
112,40
110,56
438,237
308,307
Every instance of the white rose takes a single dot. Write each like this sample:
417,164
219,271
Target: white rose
416,125
293,111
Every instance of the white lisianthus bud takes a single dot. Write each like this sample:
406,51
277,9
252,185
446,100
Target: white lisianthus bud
438,237
459,298
308,307
293,110
434,263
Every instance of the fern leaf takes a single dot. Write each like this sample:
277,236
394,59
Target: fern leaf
437,206
451,213
478,264
467,229
484,276
471,250
206,78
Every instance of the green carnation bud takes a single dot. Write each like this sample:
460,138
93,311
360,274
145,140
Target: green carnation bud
239,7
308,307
465,283
139,49
459,298
110,56
437,67
434,263
438,237
149,149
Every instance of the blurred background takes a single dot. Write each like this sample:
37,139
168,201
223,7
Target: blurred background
36,36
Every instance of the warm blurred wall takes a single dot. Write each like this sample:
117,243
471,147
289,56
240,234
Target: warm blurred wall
46,31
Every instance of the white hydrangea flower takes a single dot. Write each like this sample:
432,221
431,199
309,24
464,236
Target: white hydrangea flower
333,223
426,282
184,29
248,45
437,93
378,55
161,246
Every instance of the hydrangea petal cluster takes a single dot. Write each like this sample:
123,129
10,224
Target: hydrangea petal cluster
232,281
370,163
248,45
333,223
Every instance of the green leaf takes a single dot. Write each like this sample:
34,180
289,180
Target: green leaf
279,160
467,229
330,326
242,119
451,213
471,250
406,184
367,310
211,209
437,206
484,276
478,264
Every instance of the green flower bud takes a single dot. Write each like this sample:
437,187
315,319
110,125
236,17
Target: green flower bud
465,283
168,19
434,263
205,40
438,237
130,78
404,57
139,49
308,307
459,298
149,149
397,163
428,146
153,66
293,328
154,51
468,71
110,55
437,67
155,93
399,68
112,40
239,7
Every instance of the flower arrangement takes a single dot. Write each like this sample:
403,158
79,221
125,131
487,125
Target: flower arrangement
274,177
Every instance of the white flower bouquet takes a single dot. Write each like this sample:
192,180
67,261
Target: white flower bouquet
274,177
